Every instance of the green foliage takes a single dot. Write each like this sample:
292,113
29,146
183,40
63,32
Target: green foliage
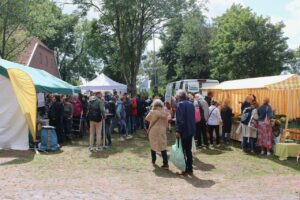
193,47
293,65
246,45
150,69
19,20
185,46
103,45
71,45
131,23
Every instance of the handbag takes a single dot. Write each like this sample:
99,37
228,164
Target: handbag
177,156
253,123
239,129
150,127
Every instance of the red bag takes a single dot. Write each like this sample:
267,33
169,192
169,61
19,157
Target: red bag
77,109
197,115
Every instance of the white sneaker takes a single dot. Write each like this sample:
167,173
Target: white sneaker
268,153
129,137
121,139
211,146
91,148
218,145
262,152
98,149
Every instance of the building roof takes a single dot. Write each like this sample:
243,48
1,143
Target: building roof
28,53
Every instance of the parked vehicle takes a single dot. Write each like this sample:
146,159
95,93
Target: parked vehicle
189,85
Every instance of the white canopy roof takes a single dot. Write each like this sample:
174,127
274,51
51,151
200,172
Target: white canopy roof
255,83
103,82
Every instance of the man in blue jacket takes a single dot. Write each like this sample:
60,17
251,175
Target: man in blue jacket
185,128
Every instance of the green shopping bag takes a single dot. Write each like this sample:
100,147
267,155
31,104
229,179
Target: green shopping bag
177,156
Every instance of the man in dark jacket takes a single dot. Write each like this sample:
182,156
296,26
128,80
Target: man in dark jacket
208,98
56,113
185,128
141,109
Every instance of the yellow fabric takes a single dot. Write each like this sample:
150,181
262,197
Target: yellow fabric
278,99
277,88
285,150
290,83
26,94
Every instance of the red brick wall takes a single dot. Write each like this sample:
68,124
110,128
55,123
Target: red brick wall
44,59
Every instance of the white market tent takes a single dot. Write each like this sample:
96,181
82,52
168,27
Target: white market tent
104,83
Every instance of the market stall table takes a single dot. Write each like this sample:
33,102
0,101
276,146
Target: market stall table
285,150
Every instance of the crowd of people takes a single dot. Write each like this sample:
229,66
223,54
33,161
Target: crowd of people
193,115
74,116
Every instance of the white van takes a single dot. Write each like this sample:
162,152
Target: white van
189,85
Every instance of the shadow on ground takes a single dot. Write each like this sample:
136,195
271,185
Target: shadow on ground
193,180
16,157
199,165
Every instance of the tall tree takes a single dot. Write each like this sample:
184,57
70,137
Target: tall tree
192,48
293,65
246,45
102,45
132,23
168,53
71,43
21,19
185,46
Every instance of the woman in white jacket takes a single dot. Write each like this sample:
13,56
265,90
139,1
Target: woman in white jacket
213,122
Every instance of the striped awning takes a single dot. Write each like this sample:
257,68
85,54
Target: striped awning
292,82
283,92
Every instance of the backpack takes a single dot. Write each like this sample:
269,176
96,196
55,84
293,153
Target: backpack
94,114
246,116
197,114
48,141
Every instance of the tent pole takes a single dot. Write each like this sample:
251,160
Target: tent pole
104,133
288,111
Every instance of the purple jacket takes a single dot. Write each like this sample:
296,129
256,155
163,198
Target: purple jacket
185,119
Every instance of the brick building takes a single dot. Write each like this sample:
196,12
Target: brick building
39,56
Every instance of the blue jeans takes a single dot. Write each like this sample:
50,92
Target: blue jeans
122,127
133,123
128,125
251,141
225,139
140,121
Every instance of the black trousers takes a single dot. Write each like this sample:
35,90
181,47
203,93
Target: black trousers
187,150
58,124
163,155
211,129
201,133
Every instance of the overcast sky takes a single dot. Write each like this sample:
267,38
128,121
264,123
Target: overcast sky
287,11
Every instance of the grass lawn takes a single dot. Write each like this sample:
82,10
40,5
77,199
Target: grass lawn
125,172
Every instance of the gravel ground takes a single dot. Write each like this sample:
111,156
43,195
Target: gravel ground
125,172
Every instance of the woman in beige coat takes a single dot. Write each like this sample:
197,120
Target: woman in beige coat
157,131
